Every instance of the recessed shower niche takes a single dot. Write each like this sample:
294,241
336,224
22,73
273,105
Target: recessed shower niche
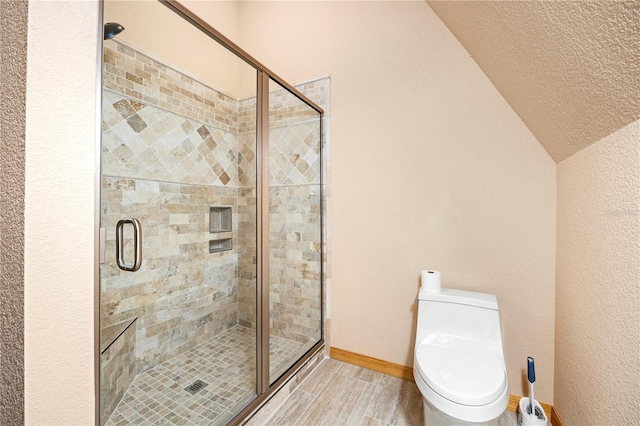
221,166
220,219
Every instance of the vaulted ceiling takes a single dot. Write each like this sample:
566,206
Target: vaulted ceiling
569,69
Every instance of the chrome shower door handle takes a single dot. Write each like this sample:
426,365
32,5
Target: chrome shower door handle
137,244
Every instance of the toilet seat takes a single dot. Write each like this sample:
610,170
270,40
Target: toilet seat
463,372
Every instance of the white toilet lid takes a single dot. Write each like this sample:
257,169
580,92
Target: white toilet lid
467,374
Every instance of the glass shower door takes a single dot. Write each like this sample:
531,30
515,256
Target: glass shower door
295,261
178,215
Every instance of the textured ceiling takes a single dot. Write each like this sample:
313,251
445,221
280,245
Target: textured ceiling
569,69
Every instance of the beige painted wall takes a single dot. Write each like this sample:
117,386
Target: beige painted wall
61,146
430,168
598,283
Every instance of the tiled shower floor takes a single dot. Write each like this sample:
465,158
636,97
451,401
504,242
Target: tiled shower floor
226,363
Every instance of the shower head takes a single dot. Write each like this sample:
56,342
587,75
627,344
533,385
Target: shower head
112,29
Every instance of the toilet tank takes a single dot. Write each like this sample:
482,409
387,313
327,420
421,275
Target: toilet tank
460,314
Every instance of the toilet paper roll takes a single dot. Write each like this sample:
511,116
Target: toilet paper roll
431,281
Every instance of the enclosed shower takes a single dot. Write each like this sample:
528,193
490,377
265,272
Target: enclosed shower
211,222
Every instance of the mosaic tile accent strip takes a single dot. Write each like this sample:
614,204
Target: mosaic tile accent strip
182,294
145,142
225,362
137,76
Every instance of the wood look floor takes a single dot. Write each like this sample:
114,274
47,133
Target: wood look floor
336,393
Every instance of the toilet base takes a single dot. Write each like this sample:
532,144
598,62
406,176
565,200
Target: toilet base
435,417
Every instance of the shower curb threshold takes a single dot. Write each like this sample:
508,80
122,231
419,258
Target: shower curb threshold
273,402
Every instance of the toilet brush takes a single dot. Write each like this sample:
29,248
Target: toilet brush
531,376
531,413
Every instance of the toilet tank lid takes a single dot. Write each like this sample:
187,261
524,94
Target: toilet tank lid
461,297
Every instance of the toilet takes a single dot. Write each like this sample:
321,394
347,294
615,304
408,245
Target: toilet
459,362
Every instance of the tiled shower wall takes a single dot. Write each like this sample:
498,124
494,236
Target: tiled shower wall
171,151
294,215
144,79
294,219
182,294
173,147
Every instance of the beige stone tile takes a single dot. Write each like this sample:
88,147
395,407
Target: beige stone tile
409,410
262,416
508,418
370,421
319,378
343,401
360,373
291,410
386,398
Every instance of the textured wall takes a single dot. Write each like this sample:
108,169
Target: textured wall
61,139
570,69
430,168
13,70
598,283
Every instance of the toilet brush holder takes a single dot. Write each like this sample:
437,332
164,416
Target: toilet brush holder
528,418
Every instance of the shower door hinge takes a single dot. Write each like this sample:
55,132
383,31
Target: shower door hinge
103,246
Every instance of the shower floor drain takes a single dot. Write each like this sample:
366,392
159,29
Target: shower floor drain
196,387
